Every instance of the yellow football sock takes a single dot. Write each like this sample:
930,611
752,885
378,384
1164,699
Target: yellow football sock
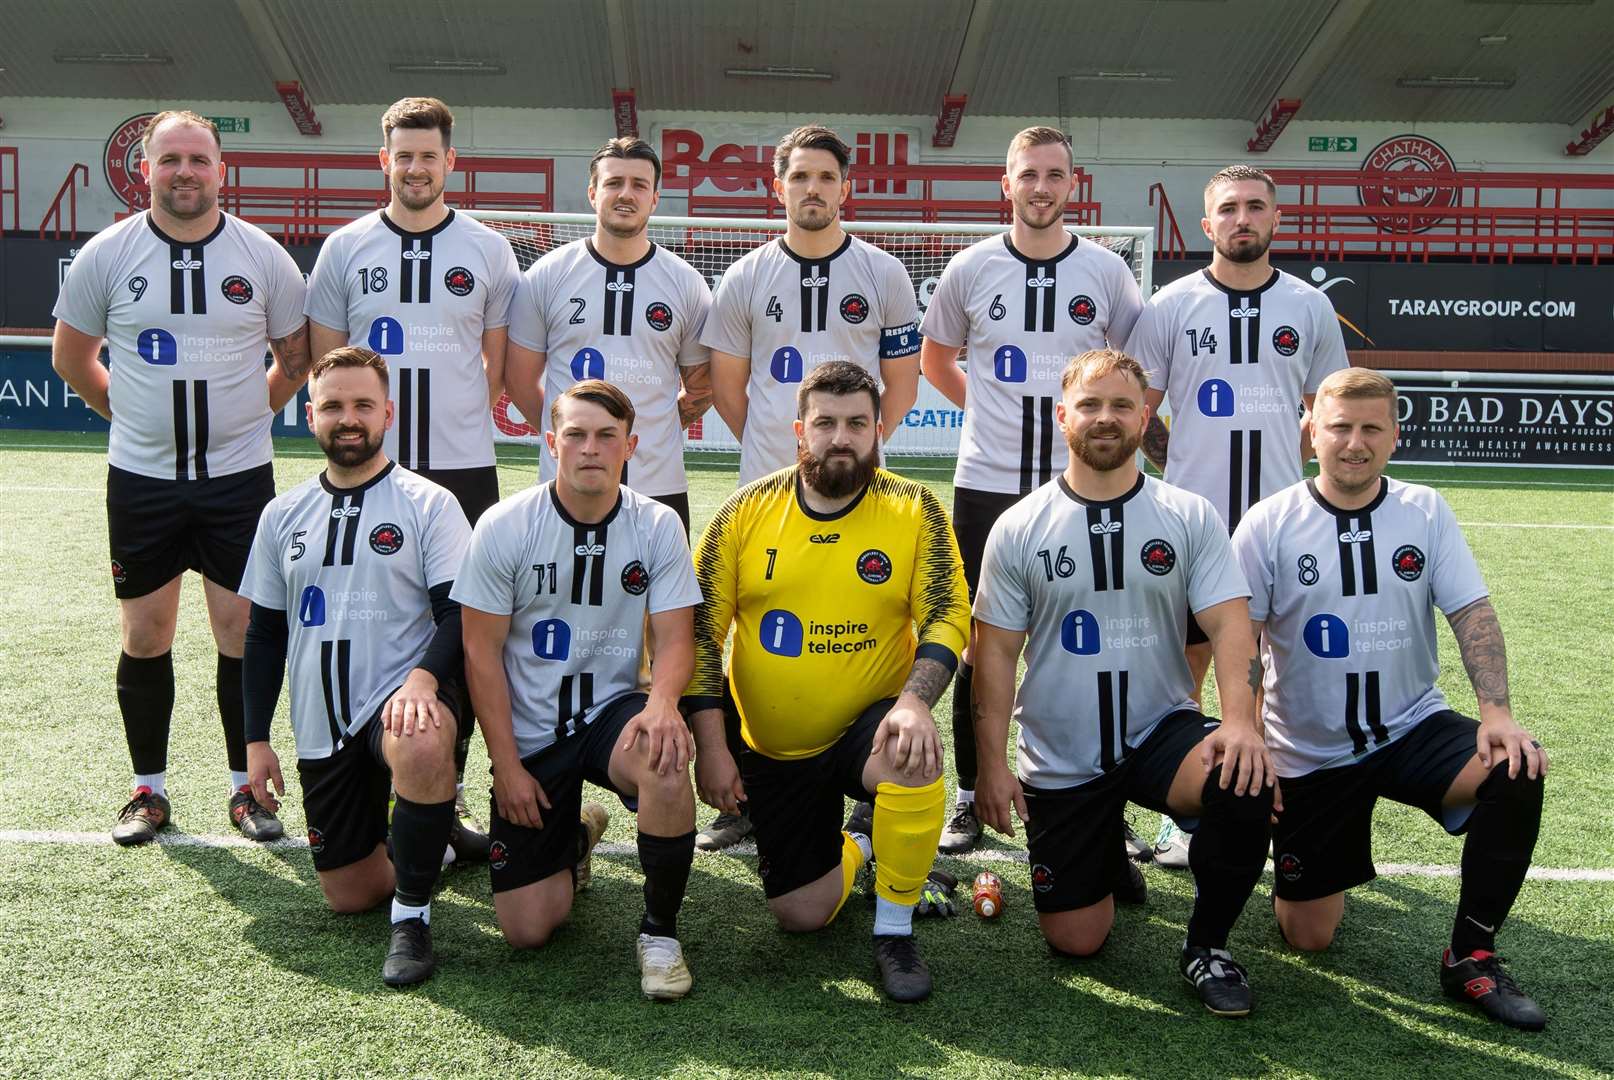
907,826
851,863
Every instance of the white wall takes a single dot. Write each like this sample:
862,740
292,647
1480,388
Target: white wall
1124,155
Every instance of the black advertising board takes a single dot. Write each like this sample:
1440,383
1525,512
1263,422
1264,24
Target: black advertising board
1506,425
1457,307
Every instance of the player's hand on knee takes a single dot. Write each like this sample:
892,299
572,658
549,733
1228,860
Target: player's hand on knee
668,742
996,790
907,737
413,705
519,796
263,768
1502,737
717,781
1245,762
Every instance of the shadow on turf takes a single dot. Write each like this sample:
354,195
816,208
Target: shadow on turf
770,1001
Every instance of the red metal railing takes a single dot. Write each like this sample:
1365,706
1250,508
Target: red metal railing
927,193
1489,217
1166,234
13,189
53,217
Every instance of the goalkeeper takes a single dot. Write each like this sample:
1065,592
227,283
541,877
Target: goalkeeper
825,570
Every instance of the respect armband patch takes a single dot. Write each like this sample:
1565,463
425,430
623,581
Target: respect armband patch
898,341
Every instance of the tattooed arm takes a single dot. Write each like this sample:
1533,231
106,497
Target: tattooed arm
907,735
1479,639
1155,436
293,358
696,395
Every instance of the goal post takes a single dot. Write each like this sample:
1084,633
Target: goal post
711,245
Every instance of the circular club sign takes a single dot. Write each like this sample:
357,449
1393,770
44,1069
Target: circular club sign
1429,182
122,163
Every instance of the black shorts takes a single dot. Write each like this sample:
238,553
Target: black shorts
160,528
1074,838
1323,842
346,796
679,502
974,514
519,855
797,805
476,490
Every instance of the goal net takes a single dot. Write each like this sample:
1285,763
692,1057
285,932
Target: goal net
932,426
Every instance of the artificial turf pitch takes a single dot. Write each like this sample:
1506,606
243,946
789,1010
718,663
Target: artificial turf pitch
220,959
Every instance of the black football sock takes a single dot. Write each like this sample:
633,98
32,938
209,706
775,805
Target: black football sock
419,836
462,745
232,712
146,699
1496,855
1227,854
964,728
665,861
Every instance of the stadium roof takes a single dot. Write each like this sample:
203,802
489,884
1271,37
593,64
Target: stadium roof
1503,60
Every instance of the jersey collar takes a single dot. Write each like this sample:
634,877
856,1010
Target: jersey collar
801,503
1384,490
560,509
806,261
1257,291
588,241
401,231
1029,261
165,238
1075,497
325,481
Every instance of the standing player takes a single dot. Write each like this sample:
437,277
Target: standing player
1241,349
556,591
814,295
1025,302
430,291
1093,575
365,553
185,297
823,570
617,307
1347,570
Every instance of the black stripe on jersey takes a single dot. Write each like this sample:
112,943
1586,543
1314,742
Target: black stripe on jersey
182,433
415,268
343,525
565,711
326,650
1041,284
344,663
176,279
1045,447
350,536
1362,696
1028,438
1111,718
406,416
186,270
1107,558
423,418
199,396
588,563
1355,539
1255,467
1036,442
619,290
1243,473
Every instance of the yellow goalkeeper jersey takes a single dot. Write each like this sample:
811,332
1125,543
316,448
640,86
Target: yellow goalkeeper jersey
828,611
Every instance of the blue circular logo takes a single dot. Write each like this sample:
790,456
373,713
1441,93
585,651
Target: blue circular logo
1325,635
588,364
1078,633
1009,364
1216,398
786,365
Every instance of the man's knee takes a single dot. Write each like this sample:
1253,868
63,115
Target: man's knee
353,897
529,933
423,754
798,918
1079,933
1309,926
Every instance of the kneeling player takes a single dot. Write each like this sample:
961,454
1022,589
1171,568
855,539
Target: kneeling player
1093,575
1346,571
366,554
556,589
824,569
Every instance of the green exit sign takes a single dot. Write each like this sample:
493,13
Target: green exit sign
240,125
1345,144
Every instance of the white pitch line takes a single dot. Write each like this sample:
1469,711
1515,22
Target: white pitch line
1525,525
171,838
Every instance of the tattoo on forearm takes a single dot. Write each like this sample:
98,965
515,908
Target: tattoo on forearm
927,680
1479,639
1255,675
293,355
692,406
1155,442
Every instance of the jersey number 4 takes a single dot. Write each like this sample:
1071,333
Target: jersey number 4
774,310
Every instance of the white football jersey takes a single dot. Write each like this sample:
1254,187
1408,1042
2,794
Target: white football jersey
633,326
1235,367
577,596
186,325
789,314
422,300
1102,590
1348,598
1023,319
353,569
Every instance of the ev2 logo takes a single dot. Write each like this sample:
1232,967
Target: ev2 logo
1009,364
588,364
1215,398
551,639
1325,635
387,337
781,633
786,365
158,347
1078,633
